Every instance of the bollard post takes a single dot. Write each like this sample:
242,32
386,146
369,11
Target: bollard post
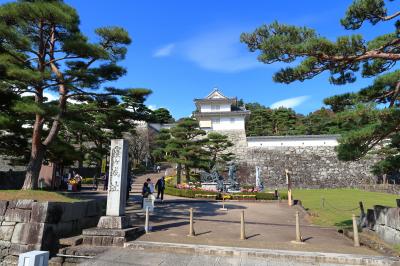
191,229
242,229
355,231
146,223
223,203
298,234
362,209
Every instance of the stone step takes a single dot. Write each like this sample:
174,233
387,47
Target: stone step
297,256
71,241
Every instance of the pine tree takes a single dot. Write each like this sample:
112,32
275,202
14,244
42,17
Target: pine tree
43,50
217,146
163,116
372,115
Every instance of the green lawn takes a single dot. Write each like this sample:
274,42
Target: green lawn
38,195
340,204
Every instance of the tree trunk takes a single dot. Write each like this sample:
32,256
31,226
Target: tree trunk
178,173
33,169
187,171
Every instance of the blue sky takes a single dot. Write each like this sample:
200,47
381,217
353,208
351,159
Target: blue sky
182,49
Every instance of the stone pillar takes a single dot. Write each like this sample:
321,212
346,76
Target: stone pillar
117,185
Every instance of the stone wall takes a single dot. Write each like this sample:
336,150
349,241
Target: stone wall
385,221
311,167
6,165
29,225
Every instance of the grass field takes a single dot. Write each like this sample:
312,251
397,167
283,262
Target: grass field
35,195
339,204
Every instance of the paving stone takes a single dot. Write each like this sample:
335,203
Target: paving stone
6,232
71,241
107,241
6,223
24,204
3,207
5,244
17,215
28,233
87,240
16,249
97,240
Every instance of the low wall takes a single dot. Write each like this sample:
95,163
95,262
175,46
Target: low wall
385,221
29,225
383,188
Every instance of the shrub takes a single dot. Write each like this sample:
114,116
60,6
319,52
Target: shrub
197,193
187,192
87,180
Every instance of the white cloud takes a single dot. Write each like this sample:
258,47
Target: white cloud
290,102
152,107
50,97
164,51
219,51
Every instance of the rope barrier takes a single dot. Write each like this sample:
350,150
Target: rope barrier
325,202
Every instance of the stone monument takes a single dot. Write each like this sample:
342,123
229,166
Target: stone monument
114,228
117,185
259,181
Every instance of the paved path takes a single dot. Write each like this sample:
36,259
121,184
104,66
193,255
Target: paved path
123,257
268,225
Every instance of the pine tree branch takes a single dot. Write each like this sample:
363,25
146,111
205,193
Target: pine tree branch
386,18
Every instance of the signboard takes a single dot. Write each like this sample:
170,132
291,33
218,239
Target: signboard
149,203
103,166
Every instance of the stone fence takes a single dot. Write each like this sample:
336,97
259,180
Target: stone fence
29,225
384,188
385,221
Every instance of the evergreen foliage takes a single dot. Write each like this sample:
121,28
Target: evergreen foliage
370,117
42,50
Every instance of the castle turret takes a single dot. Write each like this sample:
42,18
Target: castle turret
216,112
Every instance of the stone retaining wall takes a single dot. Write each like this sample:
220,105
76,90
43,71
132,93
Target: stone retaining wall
311,167
385,221
29,225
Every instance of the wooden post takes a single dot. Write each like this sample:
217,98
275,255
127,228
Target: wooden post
242,229
362,209
289,184
223,203
298,234
191,229
355,232
146,223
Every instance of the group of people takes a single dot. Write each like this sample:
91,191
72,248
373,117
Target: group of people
149,188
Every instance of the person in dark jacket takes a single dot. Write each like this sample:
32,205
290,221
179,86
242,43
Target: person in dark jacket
160,186
145,191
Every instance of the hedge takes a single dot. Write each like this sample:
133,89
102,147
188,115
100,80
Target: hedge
192,194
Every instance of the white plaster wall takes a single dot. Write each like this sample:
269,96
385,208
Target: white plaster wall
293,142
225,123
206,108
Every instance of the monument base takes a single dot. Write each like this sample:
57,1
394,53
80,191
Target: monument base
113,222
110,237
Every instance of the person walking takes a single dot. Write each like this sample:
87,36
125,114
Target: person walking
151,185
145,192
160,186
129,187
105,185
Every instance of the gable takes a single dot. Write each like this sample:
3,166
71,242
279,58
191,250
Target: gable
216,94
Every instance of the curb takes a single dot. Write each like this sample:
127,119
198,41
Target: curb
299,256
